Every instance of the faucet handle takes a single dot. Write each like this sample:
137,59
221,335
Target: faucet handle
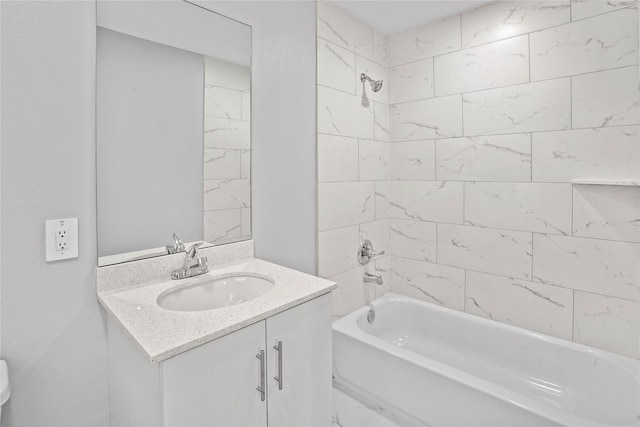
193,250
366,252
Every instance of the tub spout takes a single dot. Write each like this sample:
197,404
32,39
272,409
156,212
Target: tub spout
373,278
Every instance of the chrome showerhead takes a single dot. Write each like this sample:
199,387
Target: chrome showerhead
376,85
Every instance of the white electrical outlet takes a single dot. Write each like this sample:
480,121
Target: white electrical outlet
62,239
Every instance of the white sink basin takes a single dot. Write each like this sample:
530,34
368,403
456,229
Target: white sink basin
215,293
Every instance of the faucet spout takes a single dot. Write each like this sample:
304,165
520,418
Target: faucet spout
193,265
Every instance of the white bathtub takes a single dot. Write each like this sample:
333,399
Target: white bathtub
440,367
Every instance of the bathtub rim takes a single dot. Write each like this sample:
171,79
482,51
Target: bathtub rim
348,326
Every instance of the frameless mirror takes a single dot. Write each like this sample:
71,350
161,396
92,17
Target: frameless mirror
173,96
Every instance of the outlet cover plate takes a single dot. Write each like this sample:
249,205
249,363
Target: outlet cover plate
51,228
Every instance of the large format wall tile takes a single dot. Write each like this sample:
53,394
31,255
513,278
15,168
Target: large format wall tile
425,42
608,153
374,160
483,158
426,119
549,309
342,114
382,198
224,133
222,225
379,48
337,250
414,160
221,163
378,233
524,108
502,63
411,82
609,323
581,9
381,122
427,201
335,25
544,208
503,19
344,203
413,239
592,265
607,98
503,252
337,158
594,44
433,283
222,102
226,194
336,66
349,294
607,212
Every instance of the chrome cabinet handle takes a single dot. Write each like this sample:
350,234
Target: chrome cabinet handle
261,387
278,377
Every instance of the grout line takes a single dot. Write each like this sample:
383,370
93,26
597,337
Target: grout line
573,315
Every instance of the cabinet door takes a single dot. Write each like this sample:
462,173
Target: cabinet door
305,333
215,384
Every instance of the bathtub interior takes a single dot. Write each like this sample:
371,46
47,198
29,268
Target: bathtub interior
575,379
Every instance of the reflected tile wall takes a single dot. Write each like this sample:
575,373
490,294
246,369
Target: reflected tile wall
227,141
492,114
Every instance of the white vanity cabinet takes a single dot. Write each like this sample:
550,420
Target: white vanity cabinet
216,384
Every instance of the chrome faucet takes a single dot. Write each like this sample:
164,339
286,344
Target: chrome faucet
193,265
178,246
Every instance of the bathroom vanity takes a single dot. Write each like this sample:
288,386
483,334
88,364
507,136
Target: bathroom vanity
265,361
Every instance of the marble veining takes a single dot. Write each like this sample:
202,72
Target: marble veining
413,239
611,213
502,63
484,158
586,153
426,119
503,19
606,98
429,282
594,44
592,265
427,201
162,333
523,206
504,252
502,298
609,323
528,107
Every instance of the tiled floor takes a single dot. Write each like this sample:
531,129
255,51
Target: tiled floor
349,412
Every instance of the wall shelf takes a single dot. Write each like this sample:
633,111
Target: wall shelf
596,181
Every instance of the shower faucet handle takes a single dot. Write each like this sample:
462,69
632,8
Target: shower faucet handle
366,252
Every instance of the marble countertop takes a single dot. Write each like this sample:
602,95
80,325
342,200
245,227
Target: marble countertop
162,333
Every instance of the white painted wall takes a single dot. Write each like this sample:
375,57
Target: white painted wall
53,332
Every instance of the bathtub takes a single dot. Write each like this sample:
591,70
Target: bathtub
429,365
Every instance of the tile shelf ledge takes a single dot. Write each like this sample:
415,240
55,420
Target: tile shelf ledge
602,181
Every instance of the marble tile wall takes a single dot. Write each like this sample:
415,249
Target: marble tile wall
461,167
227,141
491,115
353,156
